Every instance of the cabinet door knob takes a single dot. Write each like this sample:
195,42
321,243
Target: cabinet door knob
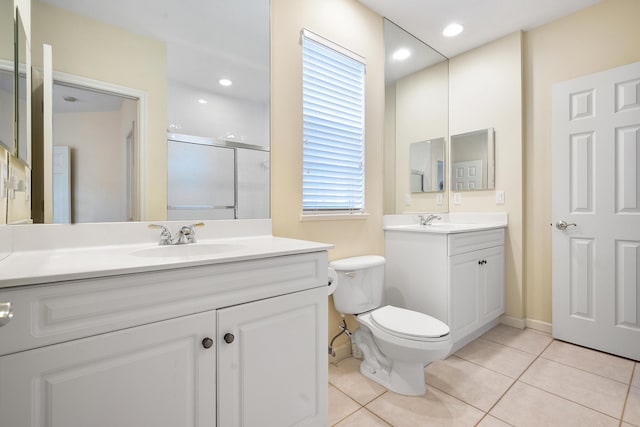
228,338
6,313
207,342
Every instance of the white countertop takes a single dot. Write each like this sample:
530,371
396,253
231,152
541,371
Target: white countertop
449,223
38,254
443,228
46,266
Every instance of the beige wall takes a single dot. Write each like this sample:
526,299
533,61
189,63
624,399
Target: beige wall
604,36
485,91
355,27
120,58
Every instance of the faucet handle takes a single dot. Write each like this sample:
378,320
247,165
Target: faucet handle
165,234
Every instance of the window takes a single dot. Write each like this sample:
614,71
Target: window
333,111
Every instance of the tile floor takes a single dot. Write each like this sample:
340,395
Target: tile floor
506,377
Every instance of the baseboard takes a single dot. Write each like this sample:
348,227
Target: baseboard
515,322
539,325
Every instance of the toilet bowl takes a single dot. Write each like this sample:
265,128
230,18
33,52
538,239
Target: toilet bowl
396,343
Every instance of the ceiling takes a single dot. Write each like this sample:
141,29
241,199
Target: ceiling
206,39
483,20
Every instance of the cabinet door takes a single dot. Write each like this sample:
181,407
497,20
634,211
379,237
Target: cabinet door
153,375
464,277
492,283
272,361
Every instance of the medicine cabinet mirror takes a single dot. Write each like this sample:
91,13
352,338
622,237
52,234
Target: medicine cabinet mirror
427,166
472,161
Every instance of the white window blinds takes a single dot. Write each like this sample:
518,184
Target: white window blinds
333,110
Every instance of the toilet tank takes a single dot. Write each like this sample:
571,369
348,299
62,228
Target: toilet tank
360,284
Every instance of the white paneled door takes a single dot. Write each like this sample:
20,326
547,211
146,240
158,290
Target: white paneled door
596,211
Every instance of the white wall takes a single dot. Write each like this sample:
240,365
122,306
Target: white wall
221,115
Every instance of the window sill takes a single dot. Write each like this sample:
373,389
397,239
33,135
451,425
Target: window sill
333,217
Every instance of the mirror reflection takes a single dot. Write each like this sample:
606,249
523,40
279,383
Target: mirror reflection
427,166
7,83
22,77
128,77
472,161
416,112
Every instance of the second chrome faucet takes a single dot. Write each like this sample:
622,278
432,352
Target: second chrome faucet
424,221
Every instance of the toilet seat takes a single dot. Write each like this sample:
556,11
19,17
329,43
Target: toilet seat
409,324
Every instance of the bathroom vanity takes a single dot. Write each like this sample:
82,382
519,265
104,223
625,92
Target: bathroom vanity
453,271
233,333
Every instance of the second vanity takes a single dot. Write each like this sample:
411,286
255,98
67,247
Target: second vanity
141,335
451,269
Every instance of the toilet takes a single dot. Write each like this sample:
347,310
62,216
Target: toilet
396,343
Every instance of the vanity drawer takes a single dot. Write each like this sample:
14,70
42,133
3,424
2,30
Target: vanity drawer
460,243
57,312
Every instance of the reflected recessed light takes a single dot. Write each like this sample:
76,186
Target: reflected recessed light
203,101
452,30
401,54
225,82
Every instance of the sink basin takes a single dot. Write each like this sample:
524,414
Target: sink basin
189,250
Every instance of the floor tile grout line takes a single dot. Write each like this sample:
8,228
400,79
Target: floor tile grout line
515,381
351,398
589,372
626,400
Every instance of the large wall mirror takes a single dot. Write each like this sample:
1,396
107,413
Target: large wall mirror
416,124
139,86
473,161
7,77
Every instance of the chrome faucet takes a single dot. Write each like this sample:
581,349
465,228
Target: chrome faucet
186,234
165,234
424,221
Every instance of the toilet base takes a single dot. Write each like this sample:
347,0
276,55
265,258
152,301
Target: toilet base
402,378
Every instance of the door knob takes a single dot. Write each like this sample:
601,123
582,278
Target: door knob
563,225
228,338
207,342
6,313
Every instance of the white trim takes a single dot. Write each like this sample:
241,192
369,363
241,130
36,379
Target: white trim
333,217
141,127
513,321
331,45
523,323
539,325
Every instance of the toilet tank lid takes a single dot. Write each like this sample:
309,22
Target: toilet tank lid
357,263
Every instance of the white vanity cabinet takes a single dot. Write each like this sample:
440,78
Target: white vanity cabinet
231,344
152,375
455,277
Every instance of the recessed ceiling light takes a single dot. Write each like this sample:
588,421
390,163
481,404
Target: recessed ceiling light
452,30
401,54
203,101
225,82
